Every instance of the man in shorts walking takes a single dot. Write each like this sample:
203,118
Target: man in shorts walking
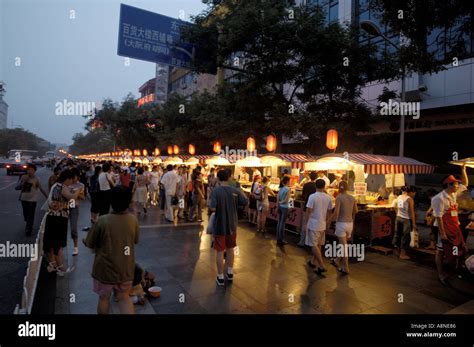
113,240
318,214
224,202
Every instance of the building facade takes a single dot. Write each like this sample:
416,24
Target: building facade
446,98
3,109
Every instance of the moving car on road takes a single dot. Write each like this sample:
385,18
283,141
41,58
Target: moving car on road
18,160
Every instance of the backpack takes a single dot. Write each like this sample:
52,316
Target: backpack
94,184
133,174
258,193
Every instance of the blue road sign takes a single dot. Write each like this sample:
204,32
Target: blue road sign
149,36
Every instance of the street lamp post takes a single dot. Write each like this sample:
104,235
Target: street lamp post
372,29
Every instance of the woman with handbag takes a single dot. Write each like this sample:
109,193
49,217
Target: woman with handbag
29,185
406,220
55,231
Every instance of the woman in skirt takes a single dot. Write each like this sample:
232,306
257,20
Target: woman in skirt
55,232
140,191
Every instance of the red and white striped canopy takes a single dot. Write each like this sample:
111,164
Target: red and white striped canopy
296,160
384,164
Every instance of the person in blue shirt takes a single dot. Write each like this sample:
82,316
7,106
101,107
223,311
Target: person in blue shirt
282,203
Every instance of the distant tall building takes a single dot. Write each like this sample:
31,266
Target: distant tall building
155,90
3,108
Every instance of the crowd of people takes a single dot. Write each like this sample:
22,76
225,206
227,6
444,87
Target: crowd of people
119,195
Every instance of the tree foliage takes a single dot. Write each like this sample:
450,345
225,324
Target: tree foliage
22,139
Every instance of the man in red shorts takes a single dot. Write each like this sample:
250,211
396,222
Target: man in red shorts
113,240
224,202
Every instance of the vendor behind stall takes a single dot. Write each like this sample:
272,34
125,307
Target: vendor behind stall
256,172
337,180
244,176
322,176
305,179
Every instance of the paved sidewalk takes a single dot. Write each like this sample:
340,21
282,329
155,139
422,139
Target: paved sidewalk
268,279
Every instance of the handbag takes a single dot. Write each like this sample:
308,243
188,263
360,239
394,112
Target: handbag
414,239
211,223
19,185
174,200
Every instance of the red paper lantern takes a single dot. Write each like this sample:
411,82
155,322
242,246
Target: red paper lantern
331,139
271,143
250,144
157,152
191,149
176,149
145,153
170,150
217,147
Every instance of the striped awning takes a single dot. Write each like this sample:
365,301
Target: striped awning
384,164
201,158
296,160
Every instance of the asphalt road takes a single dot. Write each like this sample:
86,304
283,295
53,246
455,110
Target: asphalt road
12,229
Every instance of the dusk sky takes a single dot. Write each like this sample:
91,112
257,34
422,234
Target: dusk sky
73,59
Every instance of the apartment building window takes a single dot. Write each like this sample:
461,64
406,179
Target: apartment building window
441,41
330,7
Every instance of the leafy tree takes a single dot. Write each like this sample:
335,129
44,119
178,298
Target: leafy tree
417,19
95,141
301,74
22,139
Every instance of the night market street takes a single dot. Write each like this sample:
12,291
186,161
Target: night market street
268,279
274,171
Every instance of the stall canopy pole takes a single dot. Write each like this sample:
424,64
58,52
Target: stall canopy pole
393,182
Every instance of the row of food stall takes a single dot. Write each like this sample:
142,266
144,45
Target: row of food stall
373,180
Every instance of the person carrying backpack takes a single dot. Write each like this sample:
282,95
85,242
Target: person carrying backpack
94,189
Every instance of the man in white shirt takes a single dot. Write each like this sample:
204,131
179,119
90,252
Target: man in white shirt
318,214
322,176
170,182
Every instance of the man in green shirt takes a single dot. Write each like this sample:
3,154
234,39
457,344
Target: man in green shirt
113,240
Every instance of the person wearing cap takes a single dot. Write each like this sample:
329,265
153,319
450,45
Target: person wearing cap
450,244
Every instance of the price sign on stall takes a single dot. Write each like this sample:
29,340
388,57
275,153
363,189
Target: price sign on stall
360,188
